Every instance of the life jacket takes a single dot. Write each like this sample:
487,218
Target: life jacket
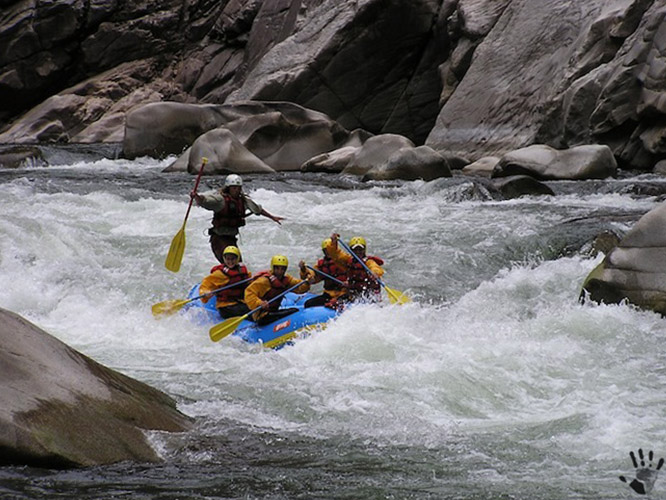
233,213
328,266
277,287
359,279
239,273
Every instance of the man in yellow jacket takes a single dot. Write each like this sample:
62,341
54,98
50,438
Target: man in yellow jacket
270,284
334,289
229,302
361,284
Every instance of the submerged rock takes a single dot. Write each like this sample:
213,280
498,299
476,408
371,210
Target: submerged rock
59,408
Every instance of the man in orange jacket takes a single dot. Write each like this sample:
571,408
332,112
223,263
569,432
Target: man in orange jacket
362,285
229,302
270,284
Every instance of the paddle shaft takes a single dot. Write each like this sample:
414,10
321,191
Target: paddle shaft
360,260
196,186
327,275
220,289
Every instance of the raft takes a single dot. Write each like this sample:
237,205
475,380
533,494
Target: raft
273,335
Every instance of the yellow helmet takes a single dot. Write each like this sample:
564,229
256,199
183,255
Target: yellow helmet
232,250
279,260
357,241
325,243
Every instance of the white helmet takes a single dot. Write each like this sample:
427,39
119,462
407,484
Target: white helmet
233,180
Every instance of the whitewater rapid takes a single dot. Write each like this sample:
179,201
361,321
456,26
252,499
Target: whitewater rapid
495,366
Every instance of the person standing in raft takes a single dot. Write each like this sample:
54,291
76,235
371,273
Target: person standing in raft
332,289
362,286
230,302
230,207
269,284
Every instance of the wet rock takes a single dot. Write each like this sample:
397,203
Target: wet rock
59,408
544,162
483,167
516,186
635,269
332,162
20,156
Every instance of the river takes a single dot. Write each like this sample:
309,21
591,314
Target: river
495,383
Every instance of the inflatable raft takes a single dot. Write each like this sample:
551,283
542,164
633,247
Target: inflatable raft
273,335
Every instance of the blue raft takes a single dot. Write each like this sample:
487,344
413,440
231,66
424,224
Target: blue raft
273,335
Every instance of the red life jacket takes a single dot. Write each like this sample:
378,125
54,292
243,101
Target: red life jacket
277,287
328,266
359,279
233,213
239,273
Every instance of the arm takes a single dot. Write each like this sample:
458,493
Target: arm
306,274
293,281
376,269
257,209
212,282
255,291
210,201
341,258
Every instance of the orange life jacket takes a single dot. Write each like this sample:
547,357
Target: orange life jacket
328,266
233,213
359,279
239,273
277,287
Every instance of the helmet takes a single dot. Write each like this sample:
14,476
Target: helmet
325,243
357,241
233,180
279,260
232,250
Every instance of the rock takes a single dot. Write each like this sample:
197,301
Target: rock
544,162
225,153
483,167
20,156
332,162
634,269
375,151
59,408
660,167
516,186
282,135
411,163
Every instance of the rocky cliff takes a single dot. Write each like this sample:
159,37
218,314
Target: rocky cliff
468,77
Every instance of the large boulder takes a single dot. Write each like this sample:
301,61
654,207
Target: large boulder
409,164
543,162
59,408
262,137
635,269
375,151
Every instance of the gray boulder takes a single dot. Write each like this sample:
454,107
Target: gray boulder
409,163
332,162
59,408
544,162
634,269
483,167
375,151
516,186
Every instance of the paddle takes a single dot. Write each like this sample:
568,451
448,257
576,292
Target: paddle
175,255
227,327
394,295
169,307
327,276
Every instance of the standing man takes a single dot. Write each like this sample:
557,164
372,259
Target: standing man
230,207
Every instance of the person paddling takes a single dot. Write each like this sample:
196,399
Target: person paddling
230,207
231,301
269,284
334,289
362,285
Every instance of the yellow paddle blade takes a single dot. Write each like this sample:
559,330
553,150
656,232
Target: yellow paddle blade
168,307
227,327
176,250
396,297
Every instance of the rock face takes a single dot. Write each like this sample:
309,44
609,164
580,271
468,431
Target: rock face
636,268
59,408
471,78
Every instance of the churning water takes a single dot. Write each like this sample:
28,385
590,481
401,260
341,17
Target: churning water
494,383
